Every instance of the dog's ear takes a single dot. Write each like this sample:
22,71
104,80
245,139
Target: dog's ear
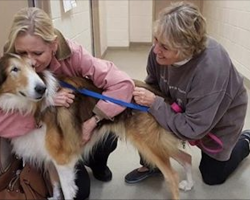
3,63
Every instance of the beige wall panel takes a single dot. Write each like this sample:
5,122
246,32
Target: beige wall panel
7,9
160,4
229,23
75,24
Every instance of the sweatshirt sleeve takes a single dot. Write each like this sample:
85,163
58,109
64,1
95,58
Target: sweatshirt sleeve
15,124
104,74
196,121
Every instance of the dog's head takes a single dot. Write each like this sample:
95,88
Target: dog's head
18,77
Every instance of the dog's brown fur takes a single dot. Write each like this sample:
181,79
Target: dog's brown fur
153,142
63,138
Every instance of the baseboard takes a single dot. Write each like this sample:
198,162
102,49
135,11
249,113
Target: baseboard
140,44
104,53
131,44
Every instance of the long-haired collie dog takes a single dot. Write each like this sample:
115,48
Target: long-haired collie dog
58,138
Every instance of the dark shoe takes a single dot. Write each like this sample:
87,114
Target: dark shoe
102,175
245,135
136,176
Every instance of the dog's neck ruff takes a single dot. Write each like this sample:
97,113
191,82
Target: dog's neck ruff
10,103
52,88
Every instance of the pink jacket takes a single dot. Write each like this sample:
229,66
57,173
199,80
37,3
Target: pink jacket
74,60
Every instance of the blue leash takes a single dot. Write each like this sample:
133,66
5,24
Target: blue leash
103,97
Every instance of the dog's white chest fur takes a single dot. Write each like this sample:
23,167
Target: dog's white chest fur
31,146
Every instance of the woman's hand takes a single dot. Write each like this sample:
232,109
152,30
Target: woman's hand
143,96
64,97
87,129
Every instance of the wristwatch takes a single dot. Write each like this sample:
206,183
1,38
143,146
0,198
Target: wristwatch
97,119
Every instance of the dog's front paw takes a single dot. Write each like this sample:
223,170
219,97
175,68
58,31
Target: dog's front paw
71,192
186,185
53,198
56,196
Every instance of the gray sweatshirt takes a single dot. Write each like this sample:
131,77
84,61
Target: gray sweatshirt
211,93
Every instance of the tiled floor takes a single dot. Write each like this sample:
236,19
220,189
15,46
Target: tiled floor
125,157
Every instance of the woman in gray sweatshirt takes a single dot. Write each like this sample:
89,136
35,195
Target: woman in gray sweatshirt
195,72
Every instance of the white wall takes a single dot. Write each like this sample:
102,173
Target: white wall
125,21
74,24
140,21
117,23
228,21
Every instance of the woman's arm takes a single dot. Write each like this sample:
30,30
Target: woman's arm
105,75
15,124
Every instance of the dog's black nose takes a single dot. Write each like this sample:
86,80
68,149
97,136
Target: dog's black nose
40,89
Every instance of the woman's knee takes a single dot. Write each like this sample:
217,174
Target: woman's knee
211,177
212,171
213,180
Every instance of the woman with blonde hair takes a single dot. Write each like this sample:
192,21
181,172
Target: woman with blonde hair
196,73
32,34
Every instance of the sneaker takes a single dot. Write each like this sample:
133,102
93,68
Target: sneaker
136,176
102,175
246,136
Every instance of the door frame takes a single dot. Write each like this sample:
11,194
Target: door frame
95,24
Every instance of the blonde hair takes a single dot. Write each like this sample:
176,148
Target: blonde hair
181,27
33,21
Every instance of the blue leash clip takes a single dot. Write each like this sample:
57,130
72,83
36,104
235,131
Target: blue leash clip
105,98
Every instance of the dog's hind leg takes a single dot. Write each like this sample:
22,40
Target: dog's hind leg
163,163
67,177
186,161
155,145
170,175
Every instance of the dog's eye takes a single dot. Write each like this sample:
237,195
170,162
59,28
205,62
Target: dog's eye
15,69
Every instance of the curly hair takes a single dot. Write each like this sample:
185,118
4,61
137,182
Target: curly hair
182,27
